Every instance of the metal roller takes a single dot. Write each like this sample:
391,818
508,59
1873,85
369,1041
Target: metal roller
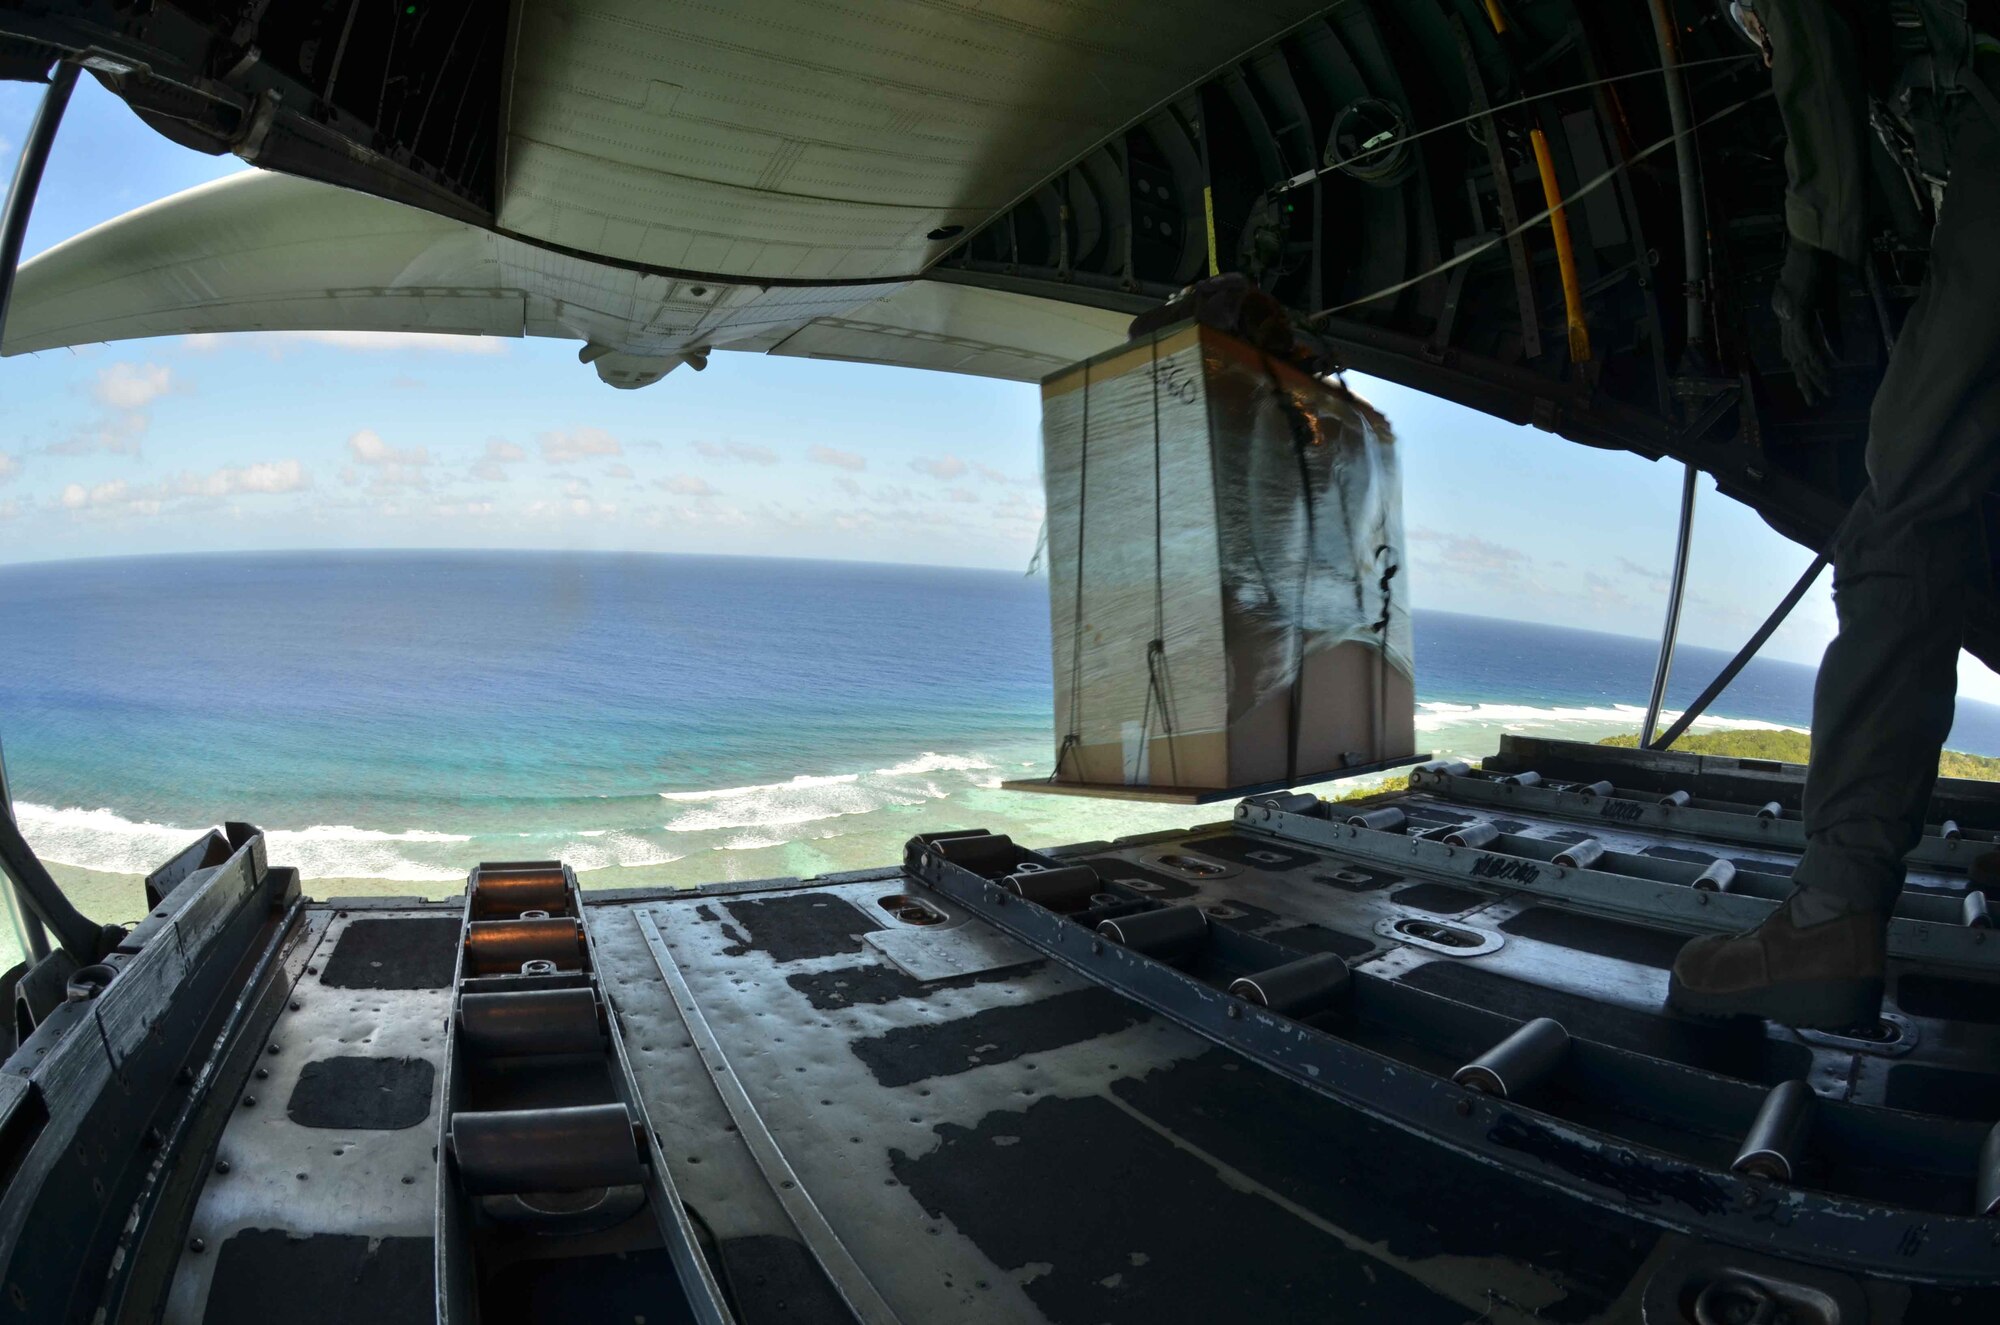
1525,778
1986,1188
1777,1136
1719,877
1066,889
1472,835
512,1151
989,854
1581,855
1171,933
1974,911
495,896
1674,800
1456,768
503,947
540,1021
1770,810
1518,1063
1950,831
1594,789
1297,989
1385,820
1292,802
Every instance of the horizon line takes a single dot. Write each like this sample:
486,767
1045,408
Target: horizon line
1037,574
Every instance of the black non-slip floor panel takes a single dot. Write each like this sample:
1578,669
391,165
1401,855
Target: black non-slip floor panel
1353,878
1256,852
382,953
1607,938
363,1094
1318,938
1414,1199
1949,999
797,926
1153,883
776,1281
1922,1088
613,1287
1089,1209
997,1035
1440,899
267,1274
854,986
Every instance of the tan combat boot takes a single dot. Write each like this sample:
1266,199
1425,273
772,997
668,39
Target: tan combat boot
1826,976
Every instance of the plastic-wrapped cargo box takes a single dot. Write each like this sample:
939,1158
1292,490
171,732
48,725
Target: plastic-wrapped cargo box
1226,583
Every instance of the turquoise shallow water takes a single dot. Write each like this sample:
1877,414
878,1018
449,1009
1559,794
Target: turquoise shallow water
399,716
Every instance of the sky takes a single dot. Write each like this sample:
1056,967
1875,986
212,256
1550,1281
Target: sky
337,440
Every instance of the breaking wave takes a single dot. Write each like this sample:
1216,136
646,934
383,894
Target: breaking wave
1472,731
104,840
745,818
810,799
1436,715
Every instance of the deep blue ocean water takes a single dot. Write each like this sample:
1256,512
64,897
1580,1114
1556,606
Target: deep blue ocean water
400,715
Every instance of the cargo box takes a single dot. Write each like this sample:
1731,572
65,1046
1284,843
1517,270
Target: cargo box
1227,590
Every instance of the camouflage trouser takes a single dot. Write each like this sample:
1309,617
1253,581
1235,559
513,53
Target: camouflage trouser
1910,551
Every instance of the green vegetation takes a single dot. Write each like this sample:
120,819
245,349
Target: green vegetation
1795,747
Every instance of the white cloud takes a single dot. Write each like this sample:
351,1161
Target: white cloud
368,448
392,468
263,478
962,495
75,496
686,485
272,476
124,390
941,468
131,386
117,433
10,467
492,466
618,471
744,451
848,460
575,444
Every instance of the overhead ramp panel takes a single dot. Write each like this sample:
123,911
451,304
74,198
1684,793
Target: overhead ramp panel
797,140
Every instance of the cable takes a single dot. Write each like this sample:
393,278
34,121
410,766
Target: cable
1300,180
1071,740
1535,220
1158,684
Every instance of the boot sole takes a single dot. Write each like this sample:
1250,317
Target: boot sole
1820,1005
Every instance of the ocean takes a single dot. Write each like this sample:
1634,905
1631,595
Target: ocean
391,718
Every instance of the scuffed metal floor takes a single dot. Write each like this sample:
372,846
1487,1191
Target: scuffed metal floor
878,1103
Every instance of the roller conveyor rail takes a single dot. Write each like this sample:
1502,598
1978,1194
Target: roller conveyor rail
1933,927
1971,803
545,1155
1530,1096
1944,846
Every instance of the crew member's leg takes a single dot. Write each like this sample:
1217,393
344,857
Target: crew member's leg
1904,560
